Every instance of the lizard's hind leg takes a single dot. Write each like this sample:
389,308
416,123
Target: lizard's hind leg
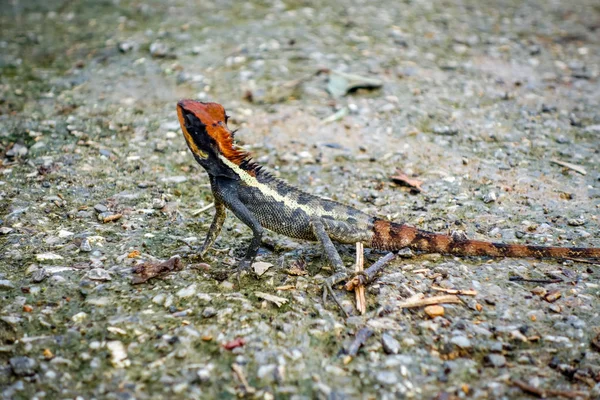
340,272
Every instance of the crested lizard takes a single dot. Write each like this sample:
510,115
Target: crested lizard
262,201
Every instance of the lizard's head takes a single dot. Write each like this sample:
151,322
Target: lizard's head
204,127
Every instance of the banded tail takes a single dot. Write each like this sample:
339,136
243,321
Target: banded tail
391,236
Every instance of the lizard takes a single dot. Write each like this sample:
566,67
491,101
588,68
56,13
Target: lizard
262,201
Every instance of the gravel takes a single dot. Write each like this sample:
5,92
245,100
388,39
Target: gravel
475,99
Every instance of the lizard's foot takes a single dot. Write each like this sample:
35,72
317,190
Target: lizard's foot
244,265
195,253
328,288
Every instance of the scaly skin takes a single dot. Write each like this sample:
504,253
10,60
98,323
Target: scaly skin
263,201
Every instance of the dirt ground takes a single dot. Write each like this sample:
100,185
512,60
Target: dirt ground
493,105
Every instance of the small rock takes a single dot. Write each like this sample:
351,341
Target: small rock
387,377
489,197
539,291
157,203
552,296
85,245
576,221
461,341
495,360
6,284
390,345
100,208
23,366
187,292
159,298
434,311
209,312
5,230
159,50
125,47
99,274
18,150
555,308
48,257
593,128
445,131
39,275
79,317
174,179
118,354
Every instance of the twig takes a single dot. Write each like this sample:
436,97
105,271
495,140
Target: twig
360,339
240,374
370,273
447,298
540,281
574,167
361,301
545,393
456,291
579,260
205,208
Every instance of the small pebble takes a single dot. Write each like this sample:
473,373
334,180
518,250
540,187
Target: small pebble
209,312
434,311
495,360
187,292
489,197
461,341
552,296
387,377
576,222
98,274
445,131
100,208
23,366
85,246
6,284
390,345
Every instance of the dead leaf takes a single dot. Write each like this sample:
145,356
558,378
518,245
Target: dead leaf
261,267
148,270
402,179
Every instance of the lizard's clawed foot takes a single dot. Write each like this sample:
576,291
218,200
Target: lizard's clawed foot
244,265
328,288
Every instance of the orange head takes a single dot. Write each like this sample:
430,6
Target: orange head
204,126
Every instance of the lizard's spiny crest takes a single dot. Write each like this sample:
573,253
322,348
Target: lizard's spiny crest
214,119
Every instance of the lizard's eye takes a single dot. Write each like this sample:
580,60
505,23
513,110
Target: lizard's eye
188,119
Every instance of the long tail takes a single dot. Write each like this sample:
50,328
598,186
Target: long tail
390,236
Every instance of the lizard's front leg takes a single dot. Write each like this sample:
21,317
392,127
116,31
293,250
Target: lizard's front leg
229,196
215,227
334,258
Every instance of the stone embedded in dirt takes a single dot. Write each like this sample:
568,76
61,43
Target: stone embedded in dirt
495,360
23,366
390,345
434,311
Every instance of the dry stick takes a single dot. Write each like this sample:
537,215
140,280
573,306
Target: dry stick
579,260
240,374
447,298
540,281
369,274
574,167
544,393
361,337
456,291
361,301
